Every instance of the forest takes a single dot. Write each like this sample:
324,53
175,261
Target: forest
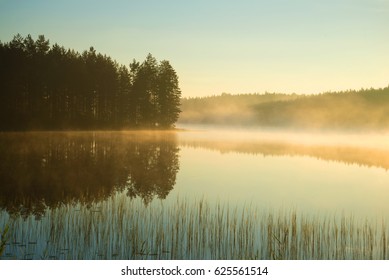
46,87
346,110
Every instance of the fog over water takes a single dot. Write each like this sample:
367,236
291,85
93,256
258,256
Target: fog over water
324,173
133,187
312,172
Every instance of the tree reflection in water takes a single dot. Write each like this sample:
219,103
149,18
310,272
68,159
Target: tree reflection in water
41,170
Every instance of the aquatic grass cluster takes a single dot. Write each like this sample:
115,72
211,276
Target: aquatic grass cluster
3,239
120,228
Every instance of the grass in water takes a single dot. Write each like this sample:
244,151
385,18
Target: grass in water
123,229
3,239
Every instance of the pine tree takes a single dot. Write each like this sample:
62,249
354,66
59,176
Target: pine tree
47,87
169,95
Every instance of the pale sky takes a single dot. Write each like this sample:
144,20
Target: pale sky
241,46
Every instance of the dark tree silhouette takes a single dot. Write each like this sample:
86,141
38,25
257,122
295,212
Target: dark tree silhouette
169,94
45,87
41,170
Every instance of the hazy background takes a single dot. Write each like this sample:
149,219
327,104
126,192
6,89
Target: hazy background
284,46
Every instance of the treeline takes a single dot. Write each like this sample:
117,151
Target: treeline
50,87
227,109
362,109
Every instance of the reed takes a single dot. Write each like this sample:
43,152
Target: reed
3,239
120,228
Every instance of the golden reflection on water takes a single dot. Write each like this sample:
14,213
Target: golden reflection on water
94,193
41,170
371,150
312,174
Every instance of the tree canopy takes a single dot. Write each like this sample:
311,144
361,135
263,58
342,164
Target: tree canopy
50,87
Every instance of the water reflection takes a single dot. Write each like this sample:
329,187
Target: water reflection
46,170
314,175
362,156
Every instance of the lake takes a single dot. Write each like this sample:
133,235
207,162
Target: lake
194,194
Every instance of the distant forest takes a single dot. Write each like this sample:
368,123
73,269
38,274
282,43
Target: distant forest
49,87
362,109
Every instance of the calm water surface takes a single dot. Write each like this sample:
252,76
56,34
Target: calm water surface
323,174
